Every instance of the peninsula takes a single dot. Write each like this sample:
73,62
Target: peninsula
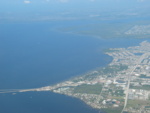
123,86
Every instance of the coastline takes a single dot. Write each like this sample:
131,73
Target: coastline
106,88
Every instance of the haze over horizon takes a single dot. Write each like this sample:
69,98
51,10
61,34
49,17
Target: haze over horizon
41,10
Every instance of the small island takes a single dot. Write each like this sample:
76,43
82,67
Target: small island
123,86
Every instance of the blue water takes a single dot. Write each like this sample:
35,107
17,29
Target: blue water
42,102
33,55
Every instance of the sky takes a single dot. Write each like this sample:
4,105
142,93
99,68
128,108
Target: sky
15,8
25,5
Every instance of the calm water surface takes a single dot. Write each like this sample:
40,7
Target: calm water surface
33,55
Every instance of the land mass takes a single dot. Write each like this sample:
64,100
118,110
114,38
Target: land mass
137,29
123,86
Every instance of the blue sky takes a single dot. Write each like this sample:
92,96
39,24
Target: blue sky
58,7
72,4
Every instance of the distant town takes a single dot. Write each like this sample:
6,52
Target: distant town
123,86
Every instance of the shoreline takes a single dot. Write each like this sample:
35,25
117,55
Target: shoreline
106,88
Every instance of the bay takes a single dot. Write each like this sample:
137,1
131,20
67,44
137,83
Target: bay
33,55
41,102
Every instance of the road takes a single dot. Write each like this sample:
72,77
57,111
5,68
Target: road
129,78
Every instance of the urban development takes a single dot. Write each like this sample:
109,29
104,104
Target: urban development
123,86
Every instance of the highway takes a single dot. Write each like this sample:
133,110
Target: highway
129,78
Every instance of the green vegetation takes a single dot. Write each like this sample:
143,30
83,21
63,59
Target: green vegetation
110,50
113,69
144,87
90,76
119,93
109,70
104,30
120,98
116,91
109,29
76,80
89,89
137,103
143,76
113,110
126,112
147,107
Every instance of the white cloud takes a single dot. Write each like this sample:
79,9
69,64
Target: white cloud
141,0
27,2
92,0
63,1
